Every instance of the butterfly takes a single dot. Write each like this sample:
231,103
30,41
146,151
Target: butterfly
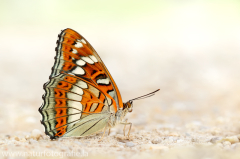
81,97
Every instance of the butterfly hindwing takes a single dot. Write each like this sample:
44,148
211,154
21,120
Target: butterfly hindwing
68,99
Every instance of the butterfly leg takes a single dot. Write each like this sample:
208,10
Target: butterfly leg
109,130
103,134
124,127
126,123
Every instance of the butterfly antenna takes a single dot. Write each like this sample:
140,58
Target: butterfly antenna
146,95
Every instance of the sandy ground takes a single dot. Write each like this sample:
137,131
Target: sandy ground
194,115
173,134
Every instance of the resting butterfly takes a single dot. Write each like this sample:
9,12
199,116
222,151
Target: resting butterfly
81,97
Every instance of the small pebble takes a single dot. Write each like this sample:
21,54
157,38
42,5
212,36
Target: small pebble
156,140
121,143
226,143
16,138
174,134
130,144
23,140
215,131
187,134
232,139
120,146
216,139
195,140
36,134
7,136
27,137
170,139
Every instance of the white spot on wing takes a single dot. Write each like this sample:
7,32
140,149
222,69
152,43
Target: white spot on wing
78,70
87,59
103,81
74,96
82,84
83,41
73,118
76,107
75,104
74,51
78,45
77,90
80,62
93,58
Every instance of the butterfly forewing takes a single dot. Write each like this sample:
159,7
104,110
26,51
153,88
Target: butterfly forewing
81,93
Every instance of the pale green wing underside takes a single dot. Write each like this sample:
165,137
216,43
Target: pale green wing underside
88,125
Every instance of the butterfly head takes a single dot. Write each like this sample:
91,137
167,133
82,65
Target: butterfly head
128,106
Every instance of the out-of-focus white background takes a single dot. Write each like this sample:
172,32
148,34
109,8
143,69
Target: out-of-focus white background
188,49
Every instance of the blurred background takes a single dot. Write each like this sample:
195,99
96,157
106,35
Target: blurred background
188,49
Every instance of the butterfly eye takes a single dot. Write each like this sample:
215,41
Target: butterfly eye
130,106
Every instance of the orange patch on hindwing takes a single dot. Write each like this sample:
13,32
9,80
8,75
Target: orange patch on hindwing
68,66
61,112
67,57
64,85
61,131
58,93
70,79
61,121
60,102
